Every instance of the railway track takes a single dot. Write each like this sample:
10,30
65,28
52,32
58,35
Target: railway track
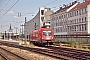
4,57
60,53
7,55
72,53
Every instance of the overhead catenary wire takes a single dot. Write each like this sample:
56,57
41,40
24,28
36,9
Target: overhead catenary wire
25,13
31,11
9,9
44,6
5,5
50,2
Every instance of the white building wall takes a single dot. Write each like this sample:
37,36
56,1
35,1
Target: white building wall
41,22
88,17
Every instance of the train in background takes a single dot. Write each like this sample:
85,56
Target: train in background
42,36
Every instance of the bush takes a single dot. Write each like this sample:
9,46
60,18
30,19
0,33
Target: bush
57,41
72,43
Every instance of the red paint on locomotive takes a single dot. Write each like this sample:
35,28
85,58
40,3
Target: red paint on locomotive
44,34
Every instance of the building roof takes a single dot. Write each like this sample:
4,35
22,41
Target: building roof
81,5
65,7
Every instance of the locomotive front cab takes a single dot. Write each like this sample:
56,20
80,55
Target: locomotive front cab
47,35
47,32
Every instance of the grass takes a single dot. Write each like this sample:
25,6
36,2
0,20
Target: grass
57,41
1,58
74,43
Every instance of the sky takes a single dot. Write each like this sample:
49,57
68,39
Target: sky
10,11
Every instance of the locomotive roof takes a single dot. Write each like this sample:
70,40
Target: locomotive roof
41,29
45,28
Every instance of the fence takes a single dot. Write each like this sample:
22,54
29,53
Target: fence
75,37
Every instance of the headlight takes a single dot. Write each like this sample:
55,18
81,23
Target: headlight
42,37
52,37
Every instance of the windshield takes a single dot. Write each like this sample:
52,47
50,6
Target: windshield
47,33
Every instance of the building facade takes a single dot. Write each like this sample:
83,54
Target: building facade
41,19
72,19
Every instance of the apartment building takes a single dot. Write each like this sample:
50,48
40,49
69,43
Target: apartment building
73,18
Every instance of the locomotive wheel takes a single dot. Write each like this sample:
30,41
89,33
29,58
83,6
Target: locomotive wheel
41,44
50,43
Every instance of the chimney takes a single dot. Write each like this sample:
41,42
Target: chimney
25,19
76,1
83,0
60,8
64,5
67,5
70,4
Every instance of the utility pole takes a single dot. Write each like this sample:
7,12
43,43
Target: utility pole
23,25
5,35
16,32
23,30
25,20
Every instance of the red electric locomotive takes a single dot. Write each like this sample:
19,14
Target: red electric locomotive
42,36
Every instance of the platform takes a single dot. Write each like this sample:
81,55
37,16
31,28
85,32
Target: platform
13,42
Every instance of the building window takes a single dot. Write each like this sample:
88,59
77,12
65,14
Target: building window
58,29
82,28
75,13
42,12
70,28
85,10
56,24
49,22
42,18
61,29
79,20
82,20
79,12
59,17
85,27
82,11
75,28
85,19
70,14
64,16
75,21
79,28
